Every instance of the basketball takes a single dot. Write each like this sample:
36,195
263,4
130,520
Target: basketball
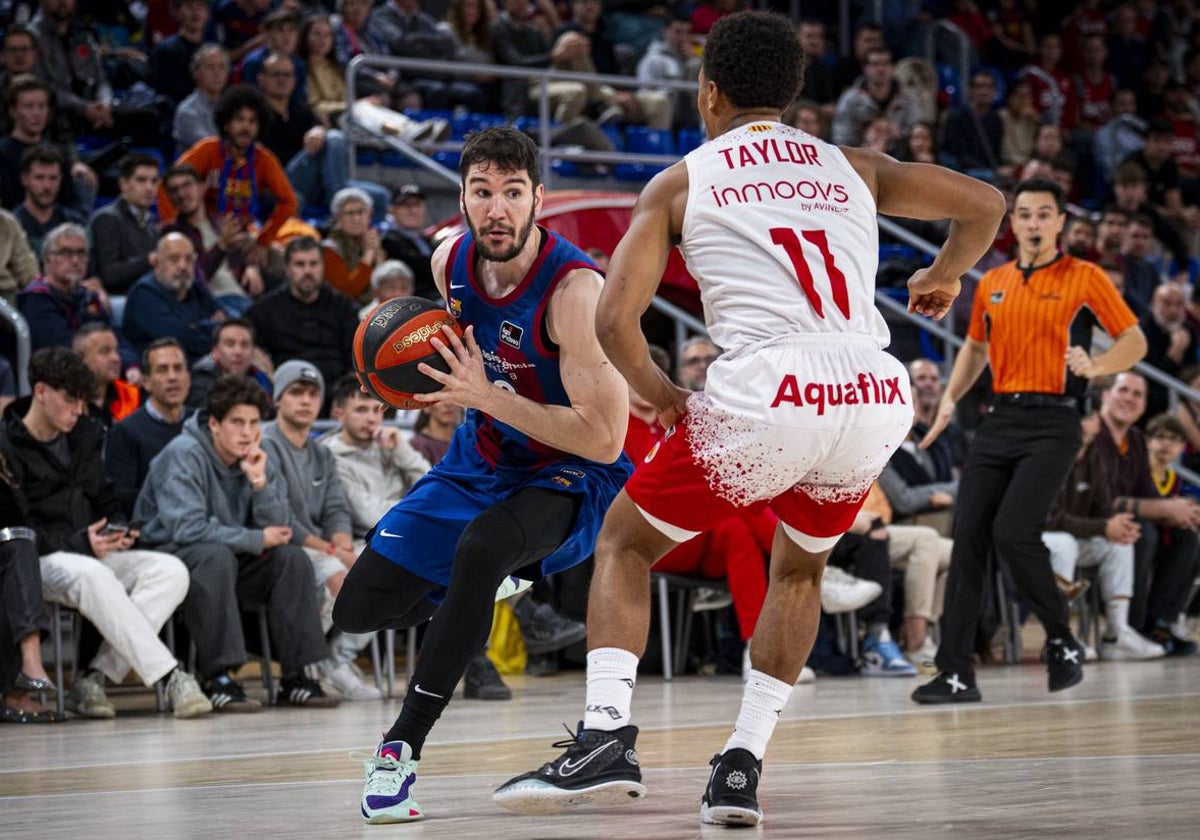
391,341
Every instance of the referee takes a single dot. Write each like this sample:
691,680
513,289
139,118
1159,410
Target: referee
1032,320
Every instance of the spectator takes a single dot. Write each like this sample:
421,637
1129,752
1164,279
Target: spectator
40,212
1162,176
671,59
404,30
281,36
319,516
1141,276
390,279
806,116
1021,123
1126,49
1166,438
222,261
1131,197
708,12
818,77
112,397
171,59
352,249
18,56
124,233
849,68
1011,44
195,118
433,430
917,145
8,385
469,22
1082,530
71,61
1165,553
696,354
133,443
88,562
1095,88
18,265
29,103
237,171
305,319
876,94
1170,341
1053,89
21,672
647,107
1110,236
1189,416
404,237
169,301
352,36
60,301
1079,238
326,79
973,137
1121,136
215,496
239,25
520,43
233,352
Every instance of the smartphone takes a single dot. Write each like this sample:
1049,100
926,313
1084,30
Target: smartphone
114,528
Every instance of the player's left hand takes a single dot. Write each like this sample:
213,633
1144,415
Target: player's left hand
931,295
673,413
466,385
1080,362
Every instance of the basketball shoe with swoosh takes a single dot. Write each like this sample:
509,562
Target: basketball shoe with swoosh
387,795
598,768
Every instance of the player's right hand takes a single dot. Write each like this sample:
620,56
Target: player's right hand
944,415
673,413
930,294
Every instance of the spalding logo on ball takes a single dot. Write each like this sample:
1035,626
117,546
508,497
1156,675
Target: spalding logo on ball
392,340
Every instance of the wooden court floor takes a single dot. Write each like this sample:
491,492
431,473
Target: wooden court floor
1117,756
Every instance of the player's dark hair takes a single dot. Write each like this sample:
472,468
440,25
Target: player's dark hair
232,390
504,147
61,370
1042,185
236,98
755,60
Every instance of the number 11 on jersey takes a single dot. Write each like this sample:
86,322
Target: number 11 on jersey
787,238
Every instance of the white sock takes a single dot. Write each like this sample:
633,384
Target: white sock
1118,616
763,700
611,674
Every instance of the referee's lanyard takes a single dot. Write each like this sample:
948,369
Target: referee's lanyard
239,205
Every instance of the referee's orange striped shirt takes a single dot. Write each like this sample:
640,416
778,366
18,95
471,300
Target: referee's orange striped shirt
1029,322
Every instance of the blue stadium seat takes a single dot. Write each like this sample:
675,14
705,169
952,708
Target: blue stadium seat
462,124
395,160
649,141
614,133
366,157
690,138
447,159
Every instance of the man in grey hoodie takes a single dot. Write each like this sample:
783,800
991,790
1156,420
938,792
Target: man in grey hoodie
319,516
213,496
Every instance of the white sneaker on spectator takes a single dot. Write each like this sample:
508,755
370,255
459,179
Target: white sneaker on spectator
1129,646
925,654
1089,653
1182,628
87,698
185,695
842,592
711,599
346,681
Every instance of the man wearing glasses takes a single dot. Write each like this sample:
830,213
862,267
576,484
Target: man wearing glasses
61,301
695,355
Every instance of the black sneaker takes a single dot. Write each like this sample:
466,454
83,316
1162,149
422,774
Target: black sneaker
598,768
545,631
482,681
948,688
731,797
227,695
1172,644
1064,663
302,691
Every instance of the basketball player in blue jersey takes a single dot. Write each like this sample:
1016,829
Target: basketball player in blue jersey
524,487
800,412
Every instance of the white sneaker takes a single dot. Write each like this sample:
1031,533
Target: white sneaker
842,592
1129,646
185,695
925,654
387,795
347,682
511,586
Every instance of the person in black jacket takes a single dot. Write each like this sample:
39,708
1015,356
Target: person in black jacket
306,319
124,233
88,562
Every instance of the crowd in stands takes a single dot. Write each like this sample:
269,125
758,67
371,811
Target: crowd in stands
180,231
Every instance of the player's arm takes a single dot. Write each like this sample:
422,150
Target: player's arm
929,192
634,273
593,425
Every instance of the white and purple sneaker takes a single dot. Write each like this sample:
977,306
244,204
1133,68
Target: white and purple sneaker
387,794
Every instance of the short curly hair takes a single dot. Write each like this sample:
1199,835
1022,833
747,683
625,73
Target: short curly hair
755,60
62,370
236,98
232,390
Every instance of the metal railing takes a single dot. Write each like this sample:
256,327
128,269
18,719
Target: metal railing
24,344
964,49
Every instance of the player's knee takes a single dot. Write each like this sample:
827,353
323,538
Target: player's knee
488,546
348,616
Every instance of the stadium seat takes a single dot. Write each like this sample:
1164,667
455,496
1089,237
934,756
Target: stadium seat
690,138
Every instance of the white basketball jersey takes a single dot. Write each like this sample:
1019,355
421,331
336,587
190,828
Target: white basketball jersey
780,233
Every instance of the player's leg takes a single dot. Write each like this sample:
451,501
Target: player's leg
599,765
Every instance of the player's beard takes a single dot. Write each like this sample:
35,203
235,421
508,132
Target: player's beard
512,251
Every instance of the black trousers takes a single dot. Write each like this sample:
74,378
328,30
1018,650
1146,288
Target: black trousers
1164,566
1017,465
22,608
378,594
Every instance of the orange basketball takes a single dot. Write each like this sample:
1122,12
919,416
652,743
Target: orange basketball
392,340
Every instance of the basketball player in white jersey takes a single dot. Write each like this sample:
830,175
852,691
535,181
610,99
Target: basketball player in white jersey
801,412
